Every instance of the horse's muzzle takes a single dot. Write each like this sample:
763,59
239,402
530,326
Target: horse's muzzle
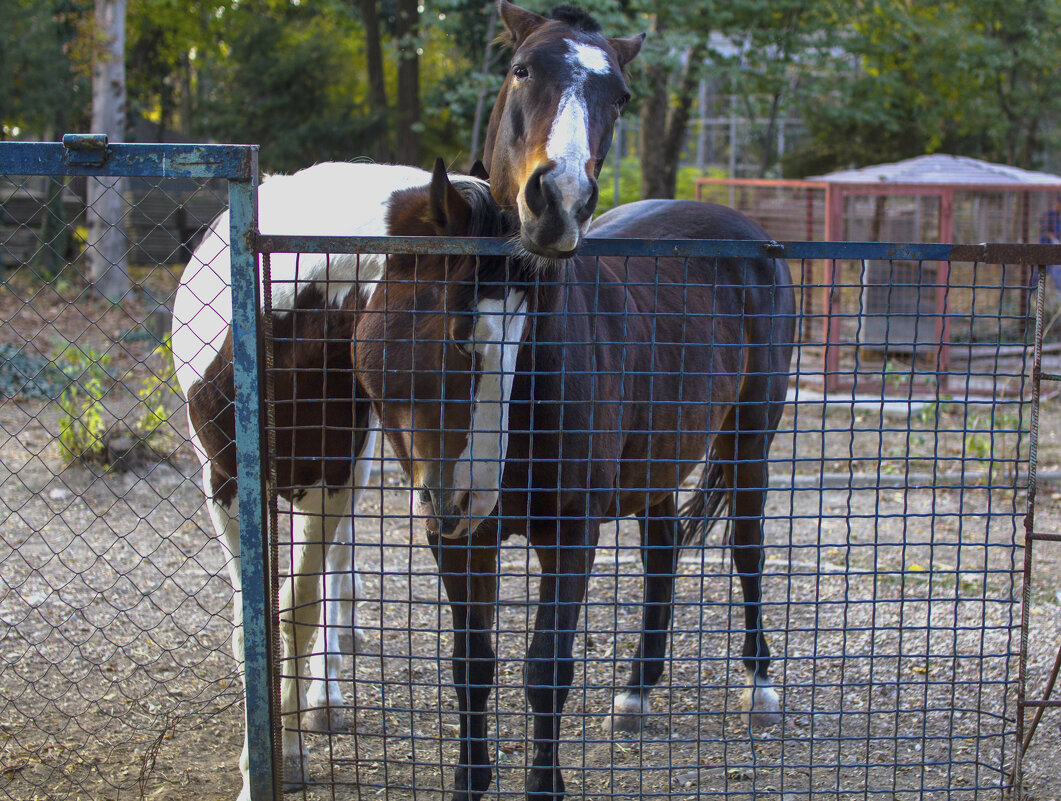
461,512
555,207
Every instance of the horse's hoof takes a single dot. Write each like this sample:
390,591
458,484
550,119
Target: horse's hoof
325,719
628,713
296,770
544,784
352,641
761,705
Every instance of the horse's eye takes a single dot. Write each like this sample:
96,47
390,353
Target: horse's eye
466,347
622,101
520,71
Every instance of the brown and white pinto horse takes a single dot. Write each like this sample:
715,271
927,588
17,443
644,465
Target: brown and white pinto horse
551,126
325,433
543,404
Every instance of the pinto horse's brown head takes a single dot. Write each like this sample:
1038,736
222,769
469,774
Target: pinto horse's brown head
551,125
435,352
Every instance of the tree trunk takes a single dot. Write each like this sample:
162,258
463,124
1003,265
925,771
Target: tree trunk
653,132
480,100
377,89
407,113
663,127
107,243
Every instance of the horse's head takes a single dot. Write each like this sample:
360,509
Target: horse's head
436,352
551,125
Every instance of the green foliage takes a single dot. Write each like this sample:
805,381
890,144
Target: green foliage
975,78
871,81
82,429
43,81
153,424
29,376
630,182
85,424
292,84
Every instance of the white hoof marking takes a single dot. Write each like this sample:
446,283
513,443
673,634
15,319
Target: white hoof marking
760,703
628,711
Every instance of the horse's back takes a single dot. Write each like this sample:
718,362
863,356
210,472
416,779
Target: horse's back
329,199
675,219
690,219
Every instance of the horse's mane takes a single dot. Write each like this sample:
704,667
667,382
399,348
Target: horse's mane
490,220
576,18
569,15
487,218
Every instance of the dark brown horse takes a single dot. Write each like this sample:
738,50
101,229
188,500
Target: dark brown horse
541,404
551,125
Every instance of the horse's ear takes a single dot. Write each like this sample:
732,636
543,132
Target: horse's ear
478,170
519,22
448,211
627,49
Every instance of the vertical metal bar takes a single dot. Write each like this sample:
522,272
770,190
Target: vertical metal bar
834,203
1016,776
946,234
243,219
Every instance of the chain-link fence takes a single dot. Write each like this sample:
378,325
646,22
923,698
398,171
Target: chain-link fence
116,679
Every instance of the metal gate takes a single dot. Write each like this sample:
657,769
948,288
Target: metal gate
116,678
910,638
894,532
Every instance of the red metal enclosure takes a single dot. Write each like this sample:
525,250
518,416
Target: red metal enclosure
885,306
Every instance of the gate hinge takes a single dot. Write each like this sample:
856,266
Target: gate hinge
86,150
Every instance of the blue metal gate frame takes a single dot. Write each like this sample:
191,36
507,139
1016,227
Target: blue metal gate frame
92,155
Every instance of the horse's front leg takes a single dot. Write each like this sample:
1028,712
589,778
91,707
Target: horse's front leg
550,666
659,555
316,515
469,574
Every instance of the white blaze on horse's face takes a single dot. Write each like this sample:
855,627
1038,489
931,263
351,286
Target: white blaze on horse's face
496,337
568,144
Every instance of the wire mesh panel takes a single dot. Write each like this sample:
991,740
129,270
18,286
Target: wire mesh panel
524,404
116,674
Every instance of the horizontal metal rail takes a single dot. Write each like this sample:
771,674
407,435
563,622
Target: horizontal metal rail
81,154
987,253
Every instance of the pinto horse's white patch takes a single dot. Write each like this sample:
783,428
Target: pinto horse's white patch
499,328
330,199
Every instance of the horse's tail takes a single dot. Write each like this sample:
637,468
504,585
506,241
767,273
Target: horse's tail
700,513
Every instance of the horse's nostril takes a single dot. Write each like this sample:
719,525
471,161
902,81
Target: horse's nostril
534,192
586,211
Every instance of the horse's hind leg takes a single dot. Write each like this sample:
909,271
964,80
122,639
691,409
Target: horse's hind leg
659,555
749,478
317,512
338,626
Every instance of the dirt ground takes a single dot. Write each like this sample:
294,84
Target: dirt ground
893,586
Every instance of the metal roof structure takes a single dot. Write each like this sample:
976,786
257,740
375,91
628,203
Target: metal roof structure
941,169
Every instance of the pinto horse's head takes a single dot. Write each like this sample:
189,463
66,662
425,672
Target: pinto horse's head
551,125
436,349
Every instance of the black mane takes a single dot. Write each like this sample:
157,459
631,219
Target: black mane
576,18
